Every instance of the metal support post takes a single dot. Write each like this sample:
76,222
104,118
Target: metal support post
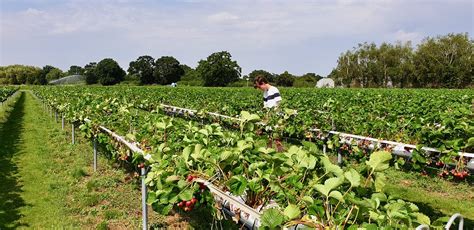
95,155
339,158
72,134
144,207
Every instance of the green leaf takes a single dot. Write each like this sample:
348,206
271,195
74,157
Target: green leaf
373,215
337,195
226,155
186,153
470,142
422,218
308,200
353,177
322,189
272,218
237,185
380,180
310,146
186,194
379,160
131,137
197,152
330,167
172,178
329,185
380,196
413,207
204,131
167,209
182,184
292,211
151,198
367,226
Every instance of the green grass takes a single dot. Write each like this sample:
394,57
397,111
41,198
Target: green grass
434,196
28,192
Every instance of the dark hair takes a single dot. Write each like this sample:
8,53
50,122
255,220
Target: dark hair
259,80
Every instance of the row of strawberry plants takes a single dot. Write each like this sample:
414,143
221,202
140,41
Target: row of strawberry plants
7,91
126,99
307,187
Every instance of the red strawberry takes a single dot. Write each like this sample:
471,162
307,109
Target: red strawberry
189,203
190,178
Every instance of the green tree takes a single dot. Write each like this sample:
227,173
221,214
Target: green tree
285,79
307,80
219,69
269,76
445,61
191,77
90,74
54,74
19,74
41,80
143,69
109,72
167,70
75,70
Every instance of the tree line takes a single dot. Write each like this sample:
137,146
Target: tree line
444,61
439,62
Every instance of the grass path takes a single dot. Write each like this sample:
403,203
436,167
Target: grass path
29,197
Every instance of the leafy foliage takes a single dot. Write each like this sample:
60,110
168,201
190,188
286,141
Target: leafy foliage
301,182
441,62
143,68
109,72
219,69
167,70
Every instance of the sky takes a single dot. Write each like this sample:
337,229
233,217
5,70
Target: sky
298,36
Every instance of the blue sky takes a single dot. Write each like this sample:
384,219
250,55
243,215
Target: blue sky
295,35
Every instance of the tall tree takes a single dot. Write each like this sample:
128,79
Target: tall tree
269,76
54,74
285,79
75,70
445,61
191,76
143,69
90,73
219,69
109,72
42,76
167,70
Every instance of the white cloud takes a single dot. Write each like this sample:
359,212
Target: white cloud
33,12
222,17
403,36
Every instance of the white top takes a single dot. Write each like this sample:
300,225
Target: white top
271,97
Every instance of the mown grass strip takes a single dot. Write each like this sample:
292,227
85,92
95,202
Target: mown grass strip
434,196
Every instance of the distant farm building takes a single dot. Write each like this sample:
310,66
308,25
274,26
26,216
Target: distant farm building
325,83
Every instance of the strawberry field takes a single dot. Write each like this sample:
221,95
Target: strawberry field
6,92
278,163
